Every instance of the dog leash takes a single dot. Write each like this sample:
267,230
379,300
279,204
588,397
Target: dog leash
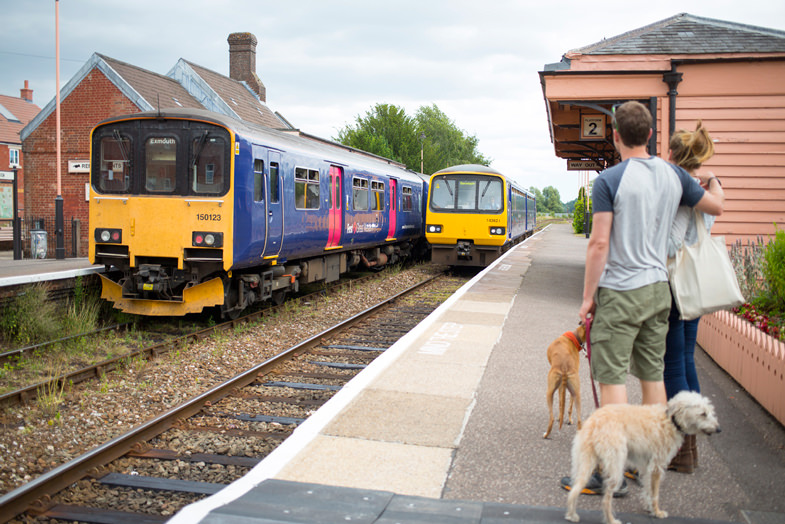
588,357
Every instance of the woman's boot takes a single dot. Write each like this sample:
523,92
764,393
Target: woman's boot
694,448
683,462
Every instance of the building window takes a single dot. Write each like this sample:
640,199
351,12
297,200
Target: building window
13,157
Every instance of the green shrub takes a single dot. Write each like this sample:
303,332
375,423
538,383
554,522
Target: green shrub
30,317
774,269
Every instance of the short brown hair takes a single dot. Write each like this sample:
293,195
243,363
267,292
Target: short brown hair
633,122
691,148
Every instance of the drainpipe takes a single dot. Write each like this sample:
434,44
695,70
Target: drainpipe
672,78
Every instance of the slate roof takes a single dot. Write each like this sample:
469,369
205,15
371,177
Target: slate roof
238,97
154,88
15,114
689,34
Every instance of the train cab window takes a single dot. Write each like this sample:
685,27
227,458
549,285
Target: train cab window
443,194
468,194
360,194
258,180
490,195
377,198
114,165
306,188
407,198
207,164
274,182
160,172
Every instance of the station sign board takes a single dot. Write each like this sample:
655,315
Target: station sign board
582,165
78,166
7,175
592,127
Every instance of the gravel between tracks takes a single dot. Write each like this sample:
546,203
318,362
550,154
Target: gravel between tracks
92,413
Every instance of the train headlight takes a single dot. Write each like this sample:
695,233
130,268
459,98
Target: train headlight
497,230
432,228
207,239
108,236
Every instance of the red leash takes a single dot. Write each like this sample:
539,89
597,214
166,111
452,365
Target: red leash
588,357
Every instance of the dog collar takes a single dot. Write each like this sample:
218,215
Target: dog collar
573,339
677,425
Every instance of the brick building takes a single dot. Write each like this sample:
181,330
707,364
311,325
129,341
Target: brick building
105,87
15,113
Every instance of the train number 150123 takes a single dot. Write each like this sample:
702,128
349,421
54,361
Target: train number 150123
212,217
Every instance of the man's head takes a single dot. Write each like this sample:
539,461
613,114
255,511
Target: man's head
632,120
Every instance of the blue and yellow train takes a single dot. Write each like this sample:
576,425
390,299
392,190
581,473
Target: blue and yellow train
190,210
475,214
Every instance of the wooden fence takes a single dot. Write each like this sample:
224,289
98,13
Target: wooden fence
754,359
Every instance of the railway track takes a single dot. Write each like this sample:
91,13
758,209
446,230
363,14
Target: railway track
78,374
197,447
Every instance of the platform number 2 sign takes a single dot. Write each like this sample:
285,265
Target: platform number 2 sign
592,127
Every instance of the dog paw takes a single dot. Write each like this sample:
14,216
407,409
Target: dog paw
660,514
572,517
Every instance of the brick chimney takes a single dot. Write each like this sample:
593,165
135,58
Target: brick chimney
242,62
26,93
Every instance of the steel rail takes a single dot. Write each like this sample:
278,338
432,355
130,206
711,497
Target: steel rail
38,491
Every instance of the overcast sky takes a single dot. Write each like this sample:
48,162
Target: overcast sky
324,62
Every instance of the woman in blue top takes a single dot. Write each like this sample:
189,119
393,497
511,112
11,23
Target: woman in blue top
689,150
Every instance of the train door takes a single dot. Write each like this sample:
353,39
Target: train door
335,215
393,209
273,184
259,206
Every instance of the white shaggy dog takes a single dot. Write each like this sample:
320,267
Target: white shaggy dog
645,438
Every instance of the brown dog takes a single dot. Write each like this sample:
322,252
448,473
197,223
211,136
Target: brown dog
563,356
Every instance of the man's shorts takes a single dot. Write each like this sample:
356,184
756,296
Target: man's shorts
628,332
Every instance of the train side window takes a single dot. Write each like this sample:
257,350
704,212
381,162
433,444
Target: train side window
377,201
207,164
114,165
274,181
160,171
258,180
406,200
360,194
306,188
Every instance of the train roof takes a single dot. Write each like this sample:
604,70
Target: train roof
468,168
481,169
285,140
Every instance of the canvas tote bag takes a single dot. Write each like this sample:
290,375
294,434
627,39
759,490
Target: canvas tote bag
702,277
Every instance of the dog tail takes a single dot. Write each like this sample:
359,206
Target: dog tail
562,398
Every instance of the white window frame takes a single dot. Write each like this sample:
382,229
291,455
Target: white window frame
13,157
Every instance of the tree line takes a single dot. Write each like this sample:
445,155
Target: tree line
427,142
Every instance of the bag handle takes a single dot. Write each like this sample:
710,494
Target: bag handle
701,225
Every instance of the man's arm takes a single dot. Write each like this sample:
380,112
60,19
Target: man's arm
713,200
596,256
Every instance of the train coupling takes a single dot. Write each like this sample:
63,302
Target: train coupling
152,278
464,249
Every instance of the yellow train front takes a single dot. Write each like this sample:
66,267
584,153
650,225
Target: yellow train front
475,214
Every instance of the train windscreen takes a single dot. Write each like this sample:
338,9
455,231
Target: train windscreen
467,194
170,157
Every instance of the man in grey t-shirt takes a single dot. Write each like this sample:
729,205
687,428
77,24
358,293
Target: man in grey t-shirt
626,282
625,288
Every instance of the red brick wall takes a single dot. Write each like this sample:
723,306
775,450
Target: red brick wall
93,100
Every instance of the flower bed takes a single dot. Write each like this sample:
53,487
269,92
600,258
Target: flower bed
753,358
